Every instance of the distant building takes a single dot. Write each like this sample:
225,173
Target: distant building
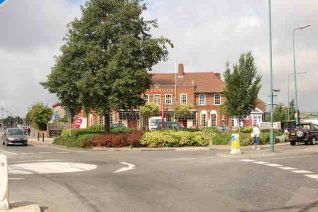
58,111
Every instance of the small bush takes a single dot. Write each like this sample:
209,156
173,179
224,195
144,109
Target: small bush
127,139
117,130
221,138
170,138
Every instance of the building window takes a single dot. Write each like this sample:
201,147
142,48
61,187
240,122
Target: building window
168,99
91,119
217,99
213,120
183,98
203,118
157,99
146,97
202,99
101,120
257,118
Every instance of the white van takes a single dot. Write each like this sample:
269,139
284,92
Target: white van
154,122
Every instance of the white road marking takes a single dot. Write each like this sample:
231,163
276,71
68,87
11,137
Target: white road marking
273,165
45,152
130,167
313,176
247,160
302,172
49,167
286,168
7,152
260,162
48,160
25,153
62,152
15,178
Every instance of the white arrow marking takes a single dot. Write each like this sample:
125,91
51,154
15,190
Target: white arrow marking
130,167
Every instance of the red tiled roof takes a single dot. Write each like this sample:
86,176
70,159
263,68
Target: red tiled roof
205,82
261,105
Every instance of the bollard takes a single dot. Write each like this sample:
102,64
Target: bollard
235,144
4,197
43,137
38,136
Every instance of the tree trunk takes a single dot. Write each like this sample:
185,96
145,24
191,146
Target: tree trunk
106,124
239,126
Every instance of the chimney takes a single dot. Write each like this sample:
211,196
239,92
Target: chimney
218,75
180,70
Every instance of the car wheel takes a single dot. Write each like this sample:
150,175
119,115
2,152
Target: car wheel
313,141
293,143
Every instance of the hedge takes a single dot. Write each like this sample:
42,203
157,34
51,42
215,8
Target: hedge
170,138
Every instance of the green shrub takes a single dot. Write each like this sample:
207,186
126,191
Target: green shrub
221,138
118,130
170,138
96,127
246,129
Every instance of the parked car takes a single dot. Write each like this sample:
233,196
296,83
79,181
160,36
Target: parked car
170,125
305,132
14,136
117,125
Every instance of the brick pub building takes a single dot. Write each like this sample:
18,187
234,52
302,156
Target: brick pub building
203,90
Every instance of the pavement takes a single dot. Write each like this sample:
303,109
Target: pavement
280,149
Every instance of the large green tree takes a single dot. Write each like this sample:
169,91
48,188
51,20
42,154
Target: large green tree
242,85
292,109
280,113
39,116
105,62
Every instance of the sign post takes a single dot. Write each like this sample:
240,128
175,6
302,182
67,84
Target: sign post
4,203
162,115
235,144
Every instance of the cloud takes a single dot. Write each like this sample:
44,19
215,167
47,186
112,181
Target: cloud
31,34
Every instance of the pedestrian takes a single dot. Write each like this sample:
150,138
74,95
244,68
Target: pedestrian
256,133
29,131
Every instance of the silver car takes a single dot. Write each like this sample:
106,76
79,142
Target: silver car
14,136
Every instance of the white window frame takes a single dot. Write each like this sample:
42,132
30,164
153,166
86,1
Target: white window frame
146,97
154,98
219,95
202,95
181,99
166,99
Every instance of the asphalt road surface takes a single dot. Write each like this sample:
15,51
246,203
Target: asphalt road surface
66,180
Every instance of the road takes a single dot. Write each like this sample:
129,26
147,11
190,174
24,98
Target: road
67,180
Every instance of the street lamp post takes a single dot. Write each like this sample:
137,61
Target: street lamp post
295,77
271,75
288,93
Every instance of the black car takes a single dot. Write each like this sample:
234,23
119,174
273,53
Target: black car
305,132
14,136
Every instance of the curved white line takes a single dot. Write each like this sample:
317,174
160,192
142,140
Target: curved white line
130,167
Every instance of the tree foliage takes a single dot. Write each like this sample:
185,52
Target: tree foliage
39,116
105,62
183,110
280,113
149,109
242,87
292,109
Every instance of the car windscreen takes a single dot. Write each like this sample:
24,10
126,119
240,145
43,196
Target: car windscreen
13,132
155,122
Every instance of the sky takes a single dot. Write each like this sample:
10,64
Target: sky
206,34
